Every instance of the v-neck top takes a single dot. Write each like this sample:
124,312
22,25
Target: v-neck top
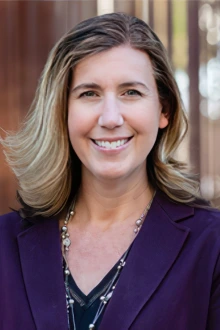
86,306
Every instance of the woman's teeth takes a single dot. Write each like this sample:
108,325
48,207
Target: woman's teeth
111,145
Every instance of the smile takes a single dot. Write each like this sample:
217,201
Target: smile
111,144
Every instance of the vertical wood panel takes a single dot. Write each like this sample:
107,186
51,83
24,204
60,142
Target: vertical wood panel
193,71
127,7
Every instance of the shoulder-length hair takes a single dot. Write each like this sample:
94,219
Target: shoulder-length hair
40,154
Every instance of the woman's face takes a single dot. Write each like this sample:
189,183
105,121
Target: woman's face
114,112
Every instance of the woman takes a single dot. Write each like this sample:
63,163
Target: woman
138,249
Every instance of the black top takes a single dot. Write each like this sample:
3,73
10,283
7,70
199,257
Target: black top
85,307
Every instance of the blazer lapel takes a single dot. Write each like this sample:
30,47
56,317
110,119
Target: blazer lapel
152,255
41,262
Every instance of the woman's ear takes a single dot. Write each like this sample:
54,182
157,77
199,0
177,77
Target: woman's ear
164,118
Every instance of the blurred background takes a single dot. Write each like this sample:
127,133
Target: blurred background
190,30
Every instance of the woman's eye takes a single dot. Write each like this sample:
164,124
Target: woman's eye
132,92
88,94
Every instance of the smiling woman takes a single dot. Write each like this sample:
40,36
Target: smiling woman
96,243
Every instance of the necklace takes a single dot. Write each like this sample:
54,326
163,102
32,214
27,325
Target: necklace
112,285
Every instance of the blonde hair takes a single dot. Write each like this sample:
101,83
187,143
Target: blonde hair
40,154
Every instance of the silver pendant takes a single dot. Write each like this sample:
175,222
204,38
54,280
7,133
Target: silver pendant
66,242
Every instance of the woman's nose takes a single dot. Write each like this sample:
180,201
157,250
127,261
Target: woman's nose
110,116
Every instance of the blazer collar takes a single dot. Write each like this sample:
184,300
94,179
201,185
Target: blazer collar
153,253
175,211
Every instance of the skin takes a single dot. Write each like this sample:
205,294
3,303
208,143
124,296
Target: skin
113,96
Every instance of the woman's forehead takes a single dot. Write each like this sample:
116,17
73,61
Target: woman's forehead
118,65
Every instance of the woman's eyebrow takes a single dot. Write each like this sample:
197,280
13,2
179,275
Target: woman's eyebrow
123,85
133,84
85,86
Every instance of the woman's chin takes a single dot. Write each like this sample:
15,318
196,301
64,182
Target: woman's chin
111,175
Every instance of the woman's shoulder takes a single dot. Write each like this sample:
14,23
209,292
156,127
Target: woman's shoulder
203,226
178,211
9,218
10,223
200,219
207,220
209,216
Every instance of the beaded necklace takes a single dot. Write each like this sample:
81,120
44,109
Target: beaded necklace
104,299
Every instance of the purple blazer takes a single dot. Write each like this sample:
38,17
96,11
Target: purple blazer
171,280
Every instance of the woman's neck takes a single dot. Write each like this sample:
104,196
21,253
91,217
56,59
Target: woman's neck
105,203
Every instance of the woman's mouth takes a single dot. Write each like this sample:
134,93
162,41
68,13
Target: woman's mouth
111,144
